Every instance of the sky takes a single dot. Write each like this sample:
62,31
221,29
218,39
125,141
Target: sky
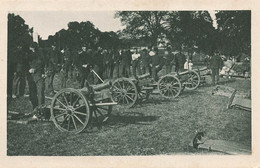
47,23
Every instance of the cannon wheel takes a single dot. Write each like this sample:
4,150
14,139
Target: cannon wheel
193,81
169,86
144,95
124,92
100,113
70,110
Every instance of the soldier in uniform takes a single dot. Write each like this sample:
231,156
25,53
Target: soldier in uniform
37,71
135,62
157,62
30,56
144,61
98,65
51,68
19,75
126,62
116,63
66,67
216,65
179,62
169,60
84,66
106,63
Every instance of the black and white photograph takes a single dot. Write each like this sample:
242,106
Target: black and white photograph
129,82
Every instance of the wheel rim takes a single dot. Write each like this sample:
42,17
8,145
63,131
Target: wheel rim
70,111
124,92
169,86
193,80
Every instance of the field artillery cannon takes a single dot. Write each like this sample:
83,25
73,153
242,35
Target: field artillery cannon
72,110
129,91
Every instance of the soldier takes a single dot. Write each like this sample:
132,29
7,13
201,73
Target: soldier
30,56
135,62
19,75
66,66
144,61
157,62
116,63
169,60
98,65
37,71
179,61
125,64
84,66
51,69
106,62
216,64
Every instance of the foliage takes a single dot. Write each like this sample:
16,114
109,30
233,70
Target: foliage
19,36
143,23
234,30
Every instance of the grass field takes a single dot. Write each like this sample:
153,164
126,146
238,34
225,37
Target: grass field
157,127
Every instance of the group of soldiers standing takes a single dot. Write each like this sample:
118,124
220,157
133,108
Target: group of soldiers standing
39,65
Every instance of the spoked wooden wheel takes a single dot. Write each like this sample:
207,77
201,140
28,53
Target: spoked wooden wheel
143,95
169,86
124,92
100,112
193,80
70,111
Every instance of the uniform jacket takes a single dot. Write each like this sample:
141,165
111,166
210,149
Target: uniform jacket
216,62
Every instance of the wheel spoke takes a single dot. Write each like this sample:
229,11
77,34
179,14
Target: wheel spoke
77,112
71,98
64,119
126,99
61,103
79,107
74,123
57,108
68,124
60,115
100,112
129,97
78,119
63,95
106,109
74,103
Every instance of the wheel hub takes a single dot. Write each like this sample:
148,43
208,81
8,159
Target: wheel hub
70,110
168,86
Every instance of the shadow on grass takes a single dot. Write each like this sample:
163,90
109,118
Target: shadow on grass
121,120
131,118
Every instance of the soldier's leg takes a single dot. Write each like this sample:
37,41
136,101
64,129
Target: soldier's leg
112,67
134,67
51,83
217,75
40,92
16,84
22,85
213,74
167,69
10,79
139,68
82,78
154,73
32,91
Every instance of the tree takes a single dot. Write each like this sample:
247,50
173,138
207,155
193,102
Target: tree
143,23
189,29
234,27
19,35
